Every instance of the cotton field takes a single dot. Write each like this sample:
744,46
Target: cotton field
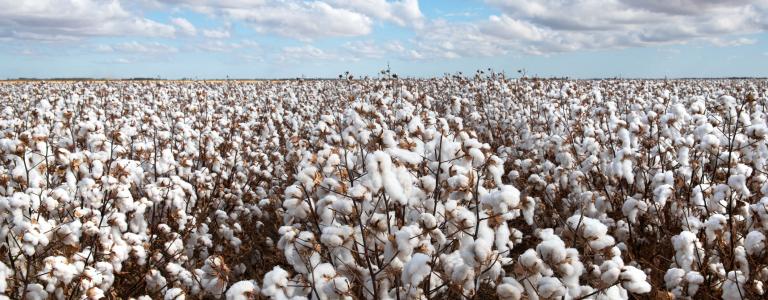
457,187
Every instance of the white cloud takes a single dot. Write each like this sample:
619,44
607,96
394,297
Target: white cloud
719,42
552,26
509,28
218,46
222,46
216,33
380,50
74,19
442,39
555,25
309,20
304,20
402,13
104,48
304,53
184,26
121,60
134,47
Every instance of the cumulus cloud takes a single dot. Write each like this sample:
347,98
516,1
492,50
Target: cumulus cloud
303,20
402,13
719,42
376,50
216,33
222,46
184,26
552,26
295,54
555,25
514,26
443,39
74,19
135,47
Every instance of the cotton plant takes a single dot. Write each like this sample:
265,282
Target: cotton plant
391,188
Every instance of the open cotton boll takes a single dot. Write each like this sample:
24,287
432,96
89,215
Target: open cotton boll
35,291
215,275
715,226
632,208
733,287
551,251
634,280
5,272
738,182
381,174
662,193
594,231
609,272
243,290
755,243
174,294
694,280
167,162
406,156
416,270
335,236
528,208
509,289
503,199
460,273
551,288
276,284
673,278
322,275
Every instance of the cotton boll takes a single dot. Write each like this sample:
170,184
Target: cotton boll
95,293
416,270
694,280
502,200
35,291
335,236
155,280
5,273
662,193
686,246
551,251
755,243
551,288
405,156
602,242
738,182
509,289
338,288
214,277
531,261
427,221
634,280
174,294
673,278
632,208
322,277
592,230
276,284
715,226
459,272
610,272
343,206
175,245
381,174
733,287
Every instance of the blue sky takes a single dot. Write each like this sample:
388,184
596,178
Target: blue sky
323,38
